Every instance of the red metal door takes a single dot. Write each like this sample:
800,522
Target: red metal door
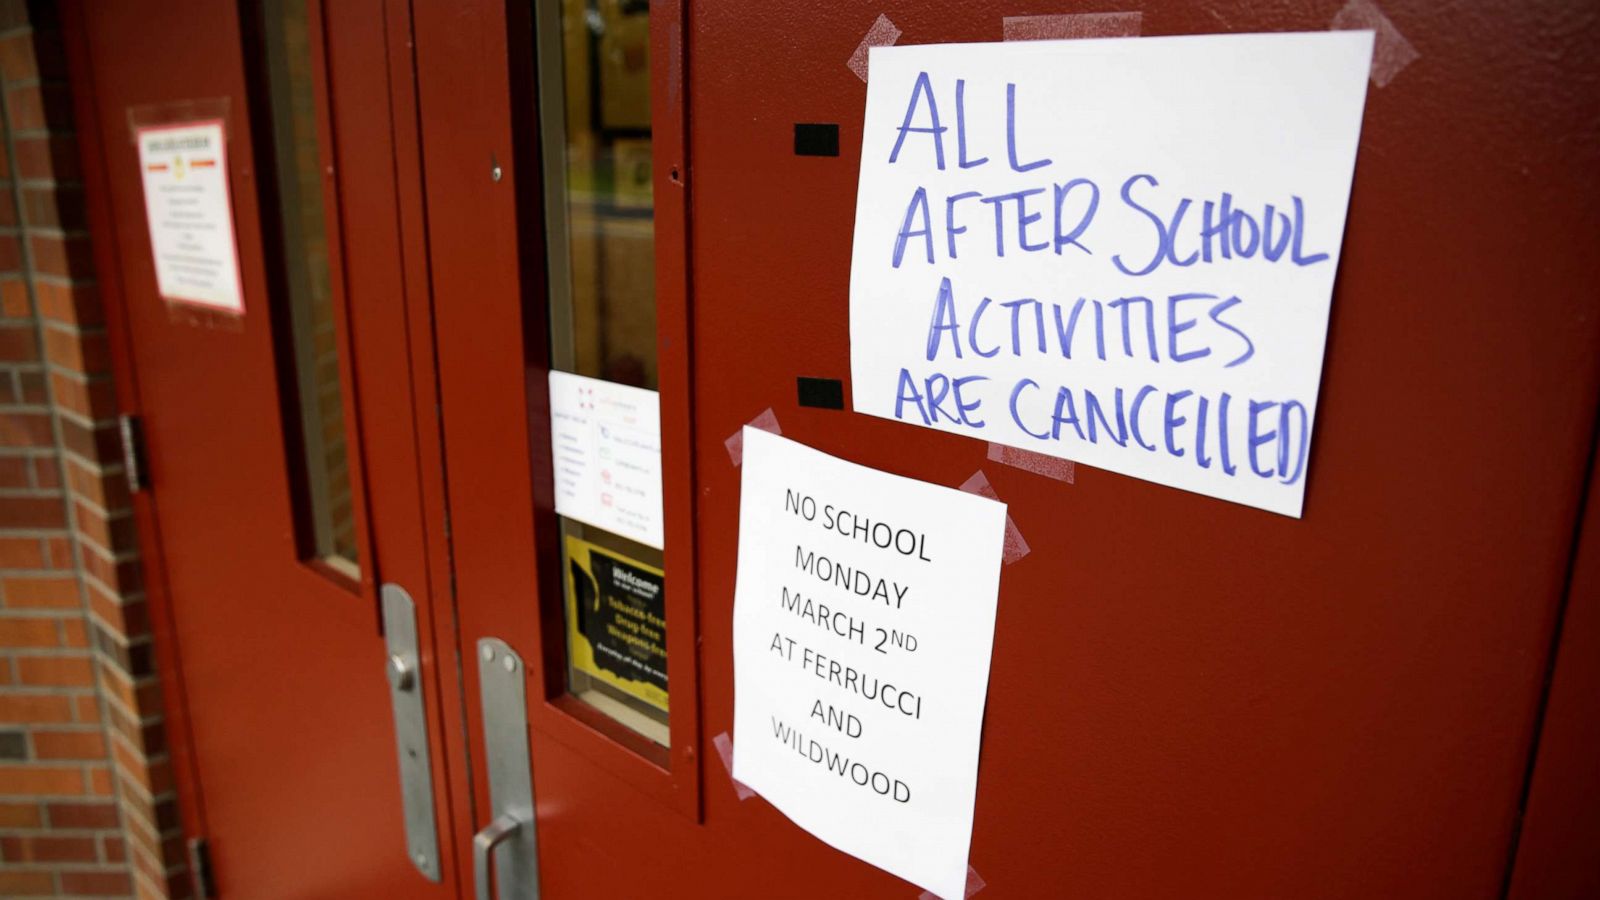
1188,697
264,570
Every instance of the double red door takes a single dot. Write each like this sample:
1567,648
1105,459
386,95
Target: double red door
1342,705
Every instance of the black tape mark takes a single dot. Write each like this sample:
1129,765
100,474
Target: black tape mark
816,140
822,393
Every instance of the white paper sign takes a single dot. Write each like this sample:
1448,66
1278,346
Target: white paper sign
605,444
863,621
1116,251
190,212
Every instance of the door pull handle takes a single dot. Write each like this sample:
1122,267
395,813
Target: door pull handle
502,690
483,846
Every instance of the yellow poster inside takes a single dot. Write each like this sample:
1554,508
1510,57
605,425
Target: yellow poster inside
616,621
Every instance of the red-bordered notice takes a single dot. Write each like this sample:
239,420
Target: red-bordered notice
184,167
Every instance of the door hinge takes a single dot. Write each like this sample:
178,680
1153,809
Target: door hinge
134,461
200,868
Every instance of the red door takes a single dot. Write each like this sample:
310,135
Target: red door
282,464
1343,705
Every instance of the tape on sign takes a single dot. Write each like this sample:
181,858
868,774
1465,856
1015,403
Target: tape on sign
1391,52
1074,25
975,883
767,421
1037,463
724,745
1015,547
881,34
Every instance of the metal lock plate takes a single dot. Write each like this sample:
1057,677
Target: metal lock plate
410,729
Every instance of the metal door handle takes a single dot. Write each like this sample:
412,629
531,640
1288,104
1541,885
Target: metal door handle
483,844
501,677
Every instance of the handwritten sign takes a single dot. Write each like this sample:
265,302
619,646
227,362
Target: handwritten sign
863,622
184,169
1119,251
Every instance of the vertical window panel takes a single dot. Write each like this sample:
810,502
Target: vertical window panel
315,419
594,92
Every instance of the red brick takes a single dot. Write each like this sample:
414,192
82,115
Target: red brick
17,62
82,815
26,884
88,745
40,106
88,352
108,491
58,552
25,429
74,633
41,593
53,157
18,631
26,709
33,780
67,256
46,473
55,671
100,779
76,304
121,576
42,848
14,297
98,443
21,815
16,472
10,253
17,342
31,387
21,553
87,708
113,848
54,206
113,533
96,884
16,13
33,512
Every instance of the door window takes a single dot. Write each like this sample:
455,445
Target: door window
314,402
594,92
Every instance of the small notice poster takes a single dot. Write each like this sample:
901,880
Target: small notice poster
184,168
605,444
617,621
863,623
1116,251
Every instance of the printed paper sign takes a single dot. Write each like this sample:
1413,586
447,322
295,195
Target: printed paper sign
185,172
617,620
605,442
863,621
1117,251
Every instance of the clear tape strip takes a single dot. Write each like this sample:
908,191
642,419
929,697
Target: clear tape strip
883,33
1015,546
724,745
767,421
1072,26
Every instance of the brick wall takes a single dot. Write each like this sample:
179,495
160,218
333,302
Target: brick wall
86,794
